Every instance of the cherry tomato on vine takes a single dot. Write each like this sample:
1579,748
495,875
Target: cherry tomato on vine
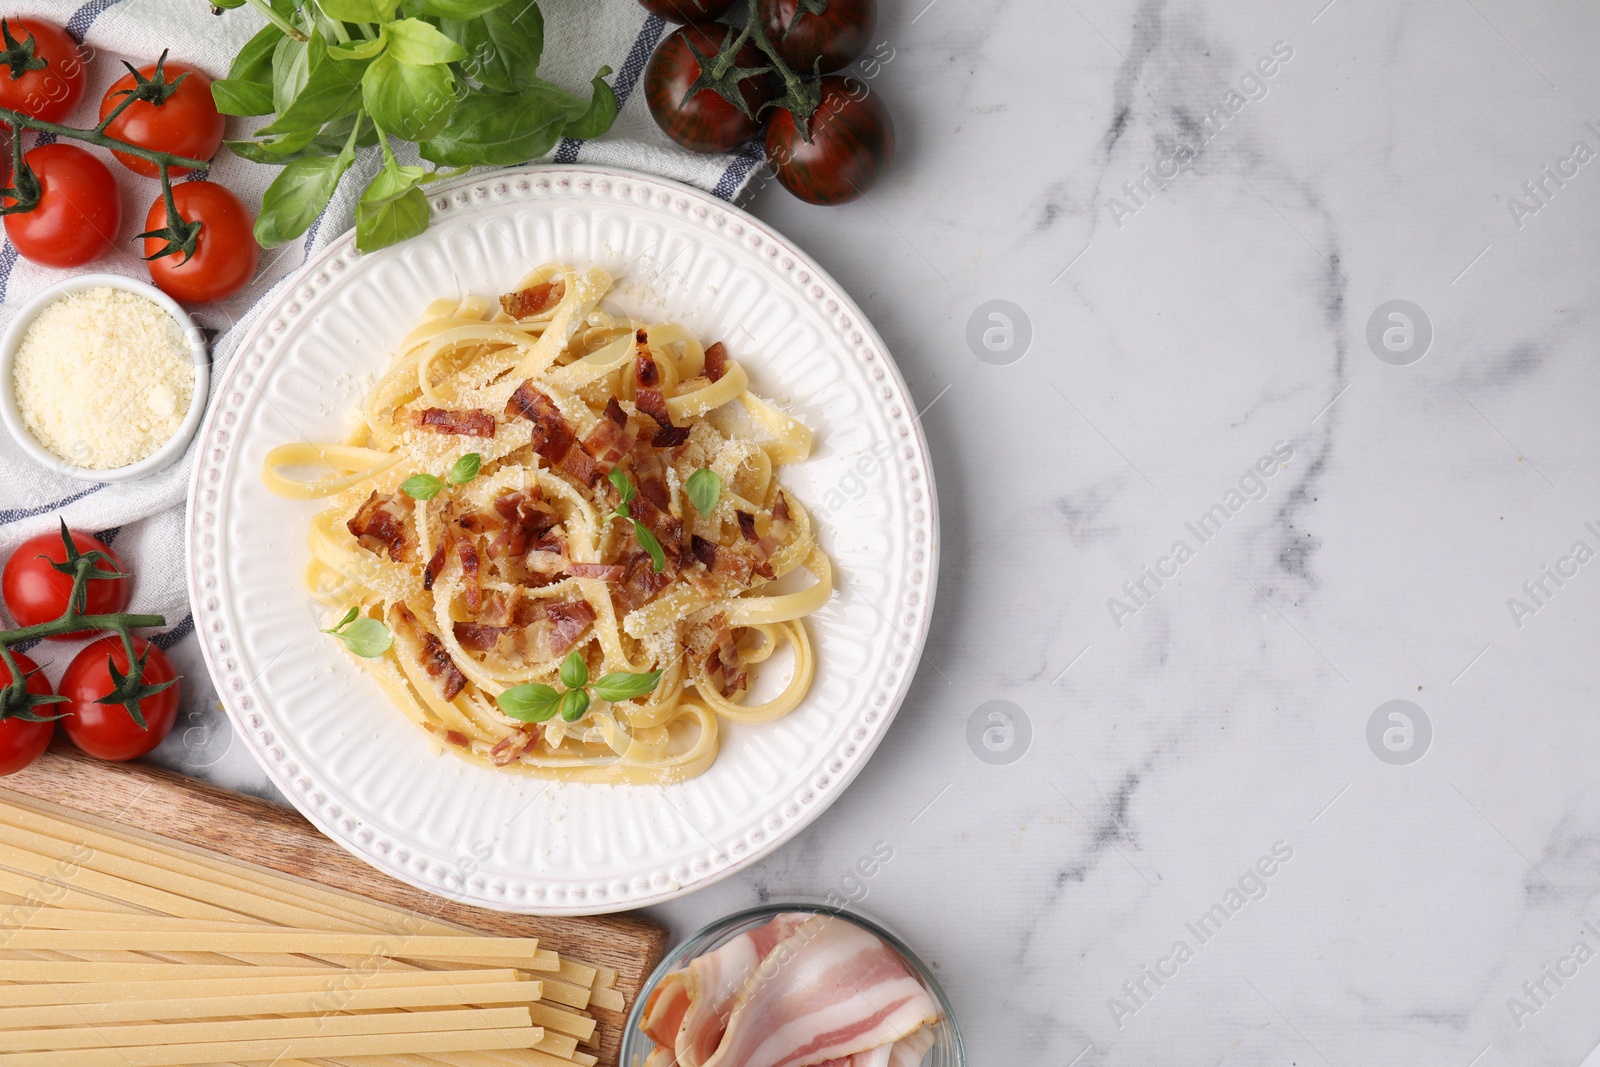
225,252
36,592
852,141
79,210
21,741
48,92
688,10
186,123
108,731
819,43
705,121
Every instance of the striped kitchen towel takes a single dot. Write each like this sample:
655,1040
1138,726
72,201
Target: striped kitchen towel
145,518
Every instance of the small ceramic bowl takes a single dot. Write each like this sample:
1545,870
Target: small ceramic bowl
11,415
947,1050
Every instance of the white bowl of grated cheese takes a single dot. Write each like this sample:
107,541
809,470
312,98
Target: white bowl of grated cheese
103,378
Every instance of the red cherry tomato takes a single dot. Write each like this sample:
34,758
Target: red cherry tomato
704,122
688,10
186,123
852,141
21,741
108,731
225,252
819,44
79,211
48,92
36,592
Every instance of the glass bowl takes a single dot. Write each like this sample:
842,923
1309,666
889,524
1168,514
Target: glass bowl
947,1050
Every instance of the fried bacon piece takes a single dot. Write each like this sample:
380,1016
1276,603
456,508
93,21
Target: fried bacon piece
552,436
453,737
526,519
606,572
609,441
716,361
747,526
650,475
715,645
432,655
510,748
478,637
780,510
435,567
667,527
763,546
469,422
670,436
380,525
534,300
723,562
646,375
571,618
653,402
471,582
642,583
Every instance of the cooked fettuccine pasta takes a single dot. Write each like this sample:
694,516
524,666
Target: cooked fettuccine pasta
515,536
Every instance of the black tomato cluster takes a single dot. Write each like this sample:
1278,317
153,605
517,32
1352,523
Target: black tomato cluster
713,87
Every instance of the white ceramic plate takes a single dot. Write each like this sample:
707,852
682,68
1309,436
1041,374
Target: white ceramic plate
329,737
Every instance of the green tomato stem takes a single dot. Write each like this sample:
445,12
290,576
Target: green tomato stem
18,121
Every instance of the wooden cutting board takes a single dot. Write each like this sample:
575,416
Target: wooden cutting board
160,802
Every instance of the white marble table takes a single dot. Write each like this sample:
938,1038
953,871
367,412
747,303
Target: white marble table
1192,836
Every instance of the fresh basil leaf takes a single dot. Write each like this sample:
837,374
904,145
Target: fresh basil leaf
415,41
497,131
326,142
331,90
361,49
466,468
601,113
574,702
619,481
574,671
648,542
532,702
421,487
503,46
254,61
705,488
392,208
623,685
291,69
456,9
297,196
408,100
235,97
348,618
359,10
367,638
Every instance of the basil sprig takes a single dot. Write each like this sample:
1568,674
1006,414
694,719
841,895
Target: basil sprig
364,637
426,486
537,702
647,539
458,78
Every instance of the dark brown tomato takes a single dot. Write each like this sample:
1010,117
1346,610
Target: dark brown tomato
819,44
688,10
852,142
705,121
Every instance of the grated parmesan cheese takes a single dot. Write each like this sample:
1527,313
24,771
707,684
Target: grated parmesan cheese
103,377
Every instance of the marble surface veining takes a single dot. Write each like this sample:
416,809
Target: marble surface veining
1211,501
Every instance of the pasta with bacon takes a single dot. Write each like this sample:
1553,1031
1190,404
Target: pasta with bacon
522,492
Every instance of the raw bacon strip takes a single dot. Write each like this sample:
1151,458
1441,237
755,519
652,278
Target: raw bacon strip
716,361
571,618
477,637
838,991
471,422
534,300
380,525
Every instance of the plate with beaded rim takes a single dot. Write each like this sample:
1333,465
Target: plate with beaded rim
328,736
